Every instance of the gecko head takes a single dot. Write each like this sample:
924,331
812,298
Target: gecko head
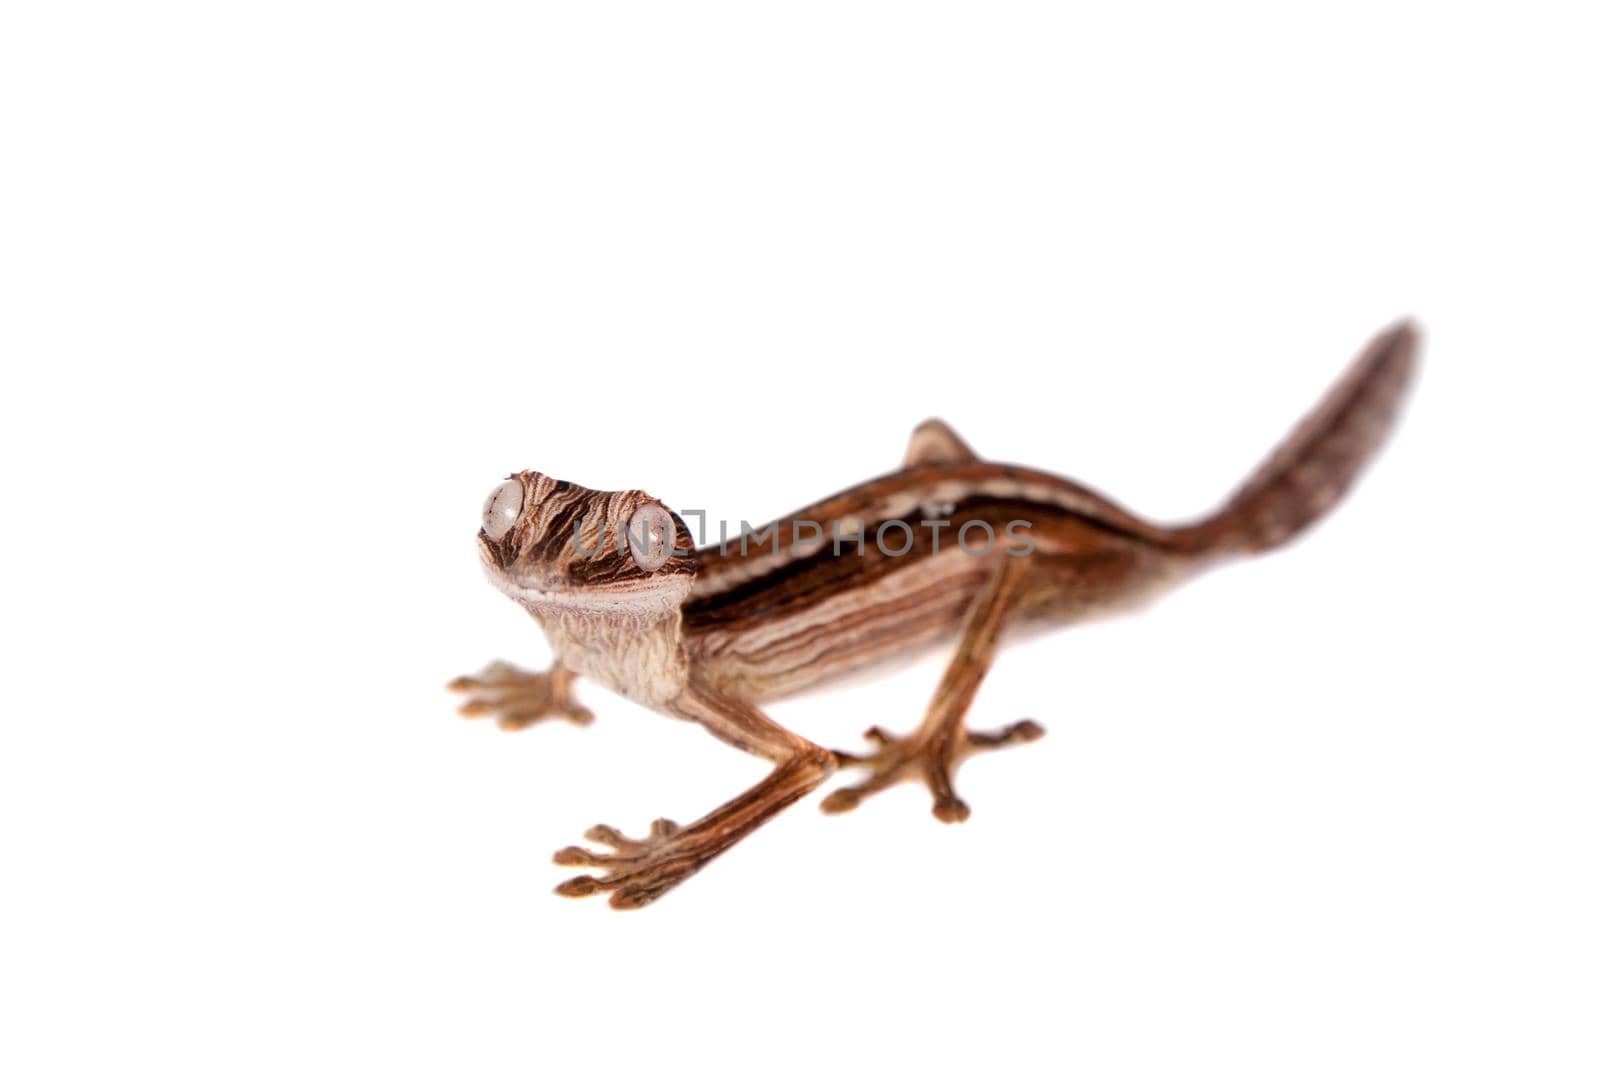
554,546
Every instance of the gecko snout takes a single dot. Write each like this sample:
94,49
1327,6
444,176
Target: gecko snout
552,545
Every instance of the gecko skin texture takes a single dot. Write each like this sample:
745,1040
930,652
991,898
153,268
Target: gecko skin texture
863,578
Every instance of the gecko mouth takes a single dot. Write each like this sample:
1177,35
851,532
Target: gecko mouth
648,596
531,590
515,586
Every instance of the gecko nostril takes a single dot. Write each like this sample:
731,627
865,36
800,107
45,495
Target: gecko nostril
502,508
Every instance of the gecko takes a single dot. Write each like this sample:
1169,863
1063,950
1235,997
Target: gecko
711,635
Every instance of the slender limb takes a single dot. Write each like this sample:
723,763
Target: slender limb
517,698
942,741
638,871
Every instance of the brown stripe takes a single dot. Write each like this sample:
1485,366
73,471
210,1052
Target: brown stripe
801,581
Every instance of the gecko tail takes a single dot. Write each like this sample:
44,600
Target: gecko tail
1319,461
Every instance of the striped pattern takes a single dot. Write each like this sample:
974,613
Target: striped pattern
774,618
709,635
782,616
567,550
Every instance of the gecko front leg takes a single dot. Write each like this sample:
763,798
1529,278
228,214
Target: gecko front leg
638,871
517,698
942,741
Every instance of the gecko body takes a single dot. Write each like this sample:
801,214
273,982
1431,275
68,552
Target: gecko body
947,547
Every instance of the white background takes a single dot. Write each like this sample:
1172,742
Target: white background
288,288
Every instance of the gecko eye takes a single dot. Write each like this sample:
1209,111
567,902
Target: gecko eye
501,509
650,533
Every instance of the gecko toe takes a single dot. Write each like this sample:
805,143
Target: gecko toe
842,799
517,699
578,887
575,856
1016,733
951,810
605,834
632,897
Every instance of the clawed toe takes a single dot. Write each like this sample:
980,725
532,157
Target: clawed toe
517,699
931,758
1015,733
622,847
951,809
638,870
843,799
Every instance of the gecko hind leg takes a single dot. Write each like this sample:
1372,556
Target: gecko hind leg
942,741
517,699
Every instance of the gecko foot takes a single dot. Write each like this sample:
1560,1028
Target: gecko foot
931,758
517,698
638,871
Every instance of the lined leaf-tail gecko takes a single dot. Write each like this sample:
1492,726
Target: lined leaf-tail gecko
711,634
